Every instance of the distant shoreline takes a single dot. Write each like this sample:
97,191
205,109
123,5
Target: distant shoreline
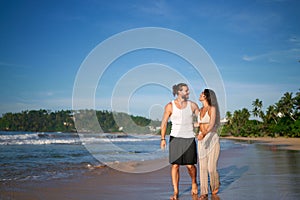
291,143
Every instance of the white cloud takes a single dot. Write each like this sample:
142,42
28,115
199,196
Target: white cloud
258,57
249,58
275,56
159,9
154,8
14,65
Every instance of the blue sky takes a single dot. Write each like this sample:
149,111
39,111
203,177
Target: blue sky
255,45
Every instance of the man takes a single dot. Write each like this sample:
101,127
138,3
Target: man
182,145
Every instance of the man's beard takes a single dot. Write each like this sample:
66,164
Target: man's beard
185,97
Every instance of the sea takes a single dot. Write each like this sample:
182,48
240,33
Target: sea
56,155
244,166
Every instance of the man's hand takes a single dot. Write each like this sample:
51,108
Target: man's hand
163,144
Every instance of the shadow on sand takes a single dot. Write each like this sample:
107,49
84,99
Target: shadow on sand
228,176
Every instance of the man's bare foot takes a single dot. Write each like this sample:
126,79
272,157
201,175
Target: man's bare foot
215,191
194,189
203,197
174,197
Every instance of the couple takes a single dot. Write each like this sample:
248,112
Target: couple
182,144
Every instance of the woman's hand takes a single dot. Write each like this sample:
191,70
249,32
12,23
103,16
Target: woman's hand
200,136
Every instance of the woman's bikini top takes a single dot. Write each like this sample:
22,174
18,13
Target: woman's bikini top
205,119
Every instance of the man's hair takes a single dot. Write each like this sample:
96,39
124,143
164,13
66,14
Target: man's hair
178,87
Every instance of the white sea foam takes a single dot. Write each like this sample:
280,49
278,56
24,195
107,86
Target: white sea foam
69,138
40,142
20,136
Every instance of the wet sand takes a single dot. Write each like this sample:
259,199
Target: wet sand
247,171
287,143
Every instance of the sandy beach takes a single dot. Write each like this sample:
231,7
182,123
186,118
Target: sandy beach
248,170
287,143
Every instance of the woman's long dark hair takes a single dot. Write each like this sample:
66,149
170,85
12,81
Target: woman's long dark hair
212,101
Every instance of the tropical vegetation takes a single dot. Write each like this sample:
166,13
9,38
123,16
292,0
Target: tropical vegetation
280,119
64,121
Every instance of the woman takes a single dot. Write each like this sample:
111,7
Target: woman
208,142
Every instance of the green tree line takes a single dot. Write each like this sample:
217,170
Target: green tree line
64,121
37,120
280,119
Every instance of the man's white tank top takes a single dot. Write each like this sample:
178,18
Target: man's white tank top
182,121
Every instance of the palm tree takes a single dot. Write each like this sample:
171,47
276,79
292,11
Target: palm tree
271,113
239,120
286,105
257,106
245,114
229,117
297,102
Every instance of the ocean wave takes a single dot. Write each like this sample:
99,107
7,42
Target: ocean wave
25,136
40,142
93,140
20,136
69,138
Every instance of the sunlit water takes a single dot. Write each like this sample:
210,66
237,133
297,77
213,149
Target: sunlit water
259,171
247,170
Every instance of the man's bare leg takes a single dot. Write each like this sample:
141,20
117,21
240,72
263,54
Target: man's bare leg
193,173
175,180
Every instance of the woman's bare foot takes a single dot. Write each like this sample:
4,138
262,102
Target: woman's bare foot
203,197
194,189
215,197
215,191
